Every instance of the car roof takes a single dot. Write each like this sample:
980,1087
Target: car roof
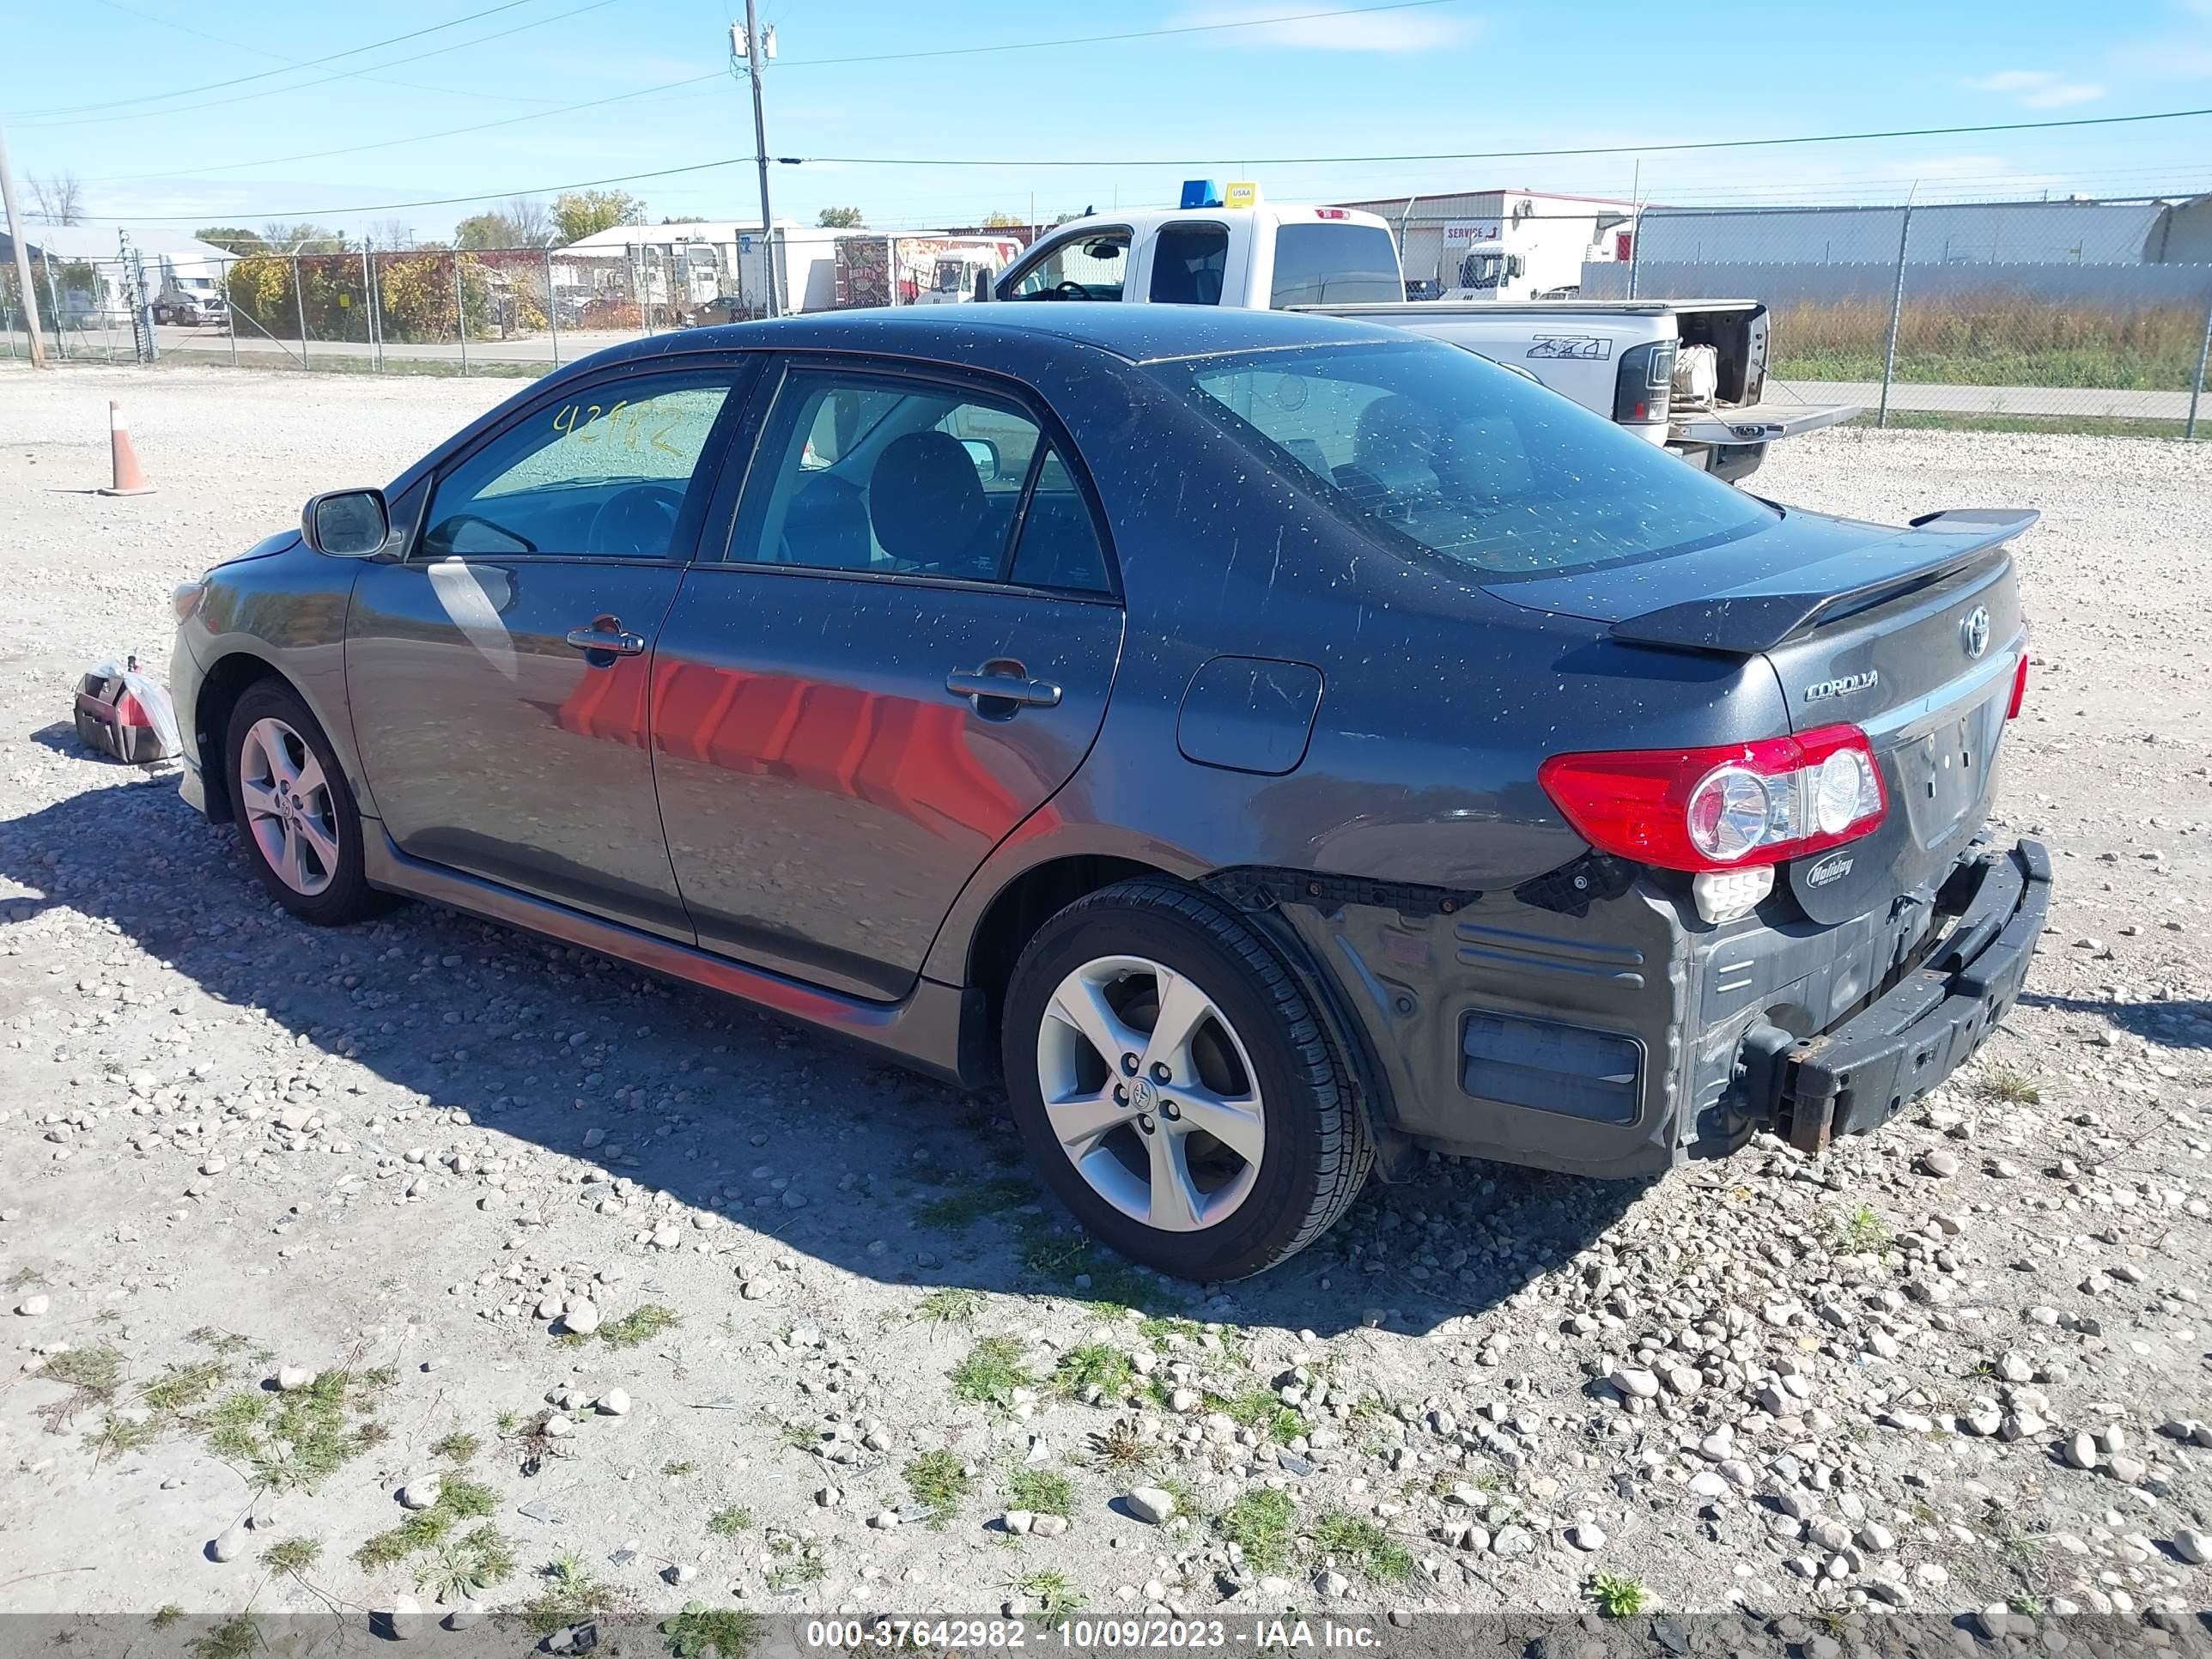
1137,333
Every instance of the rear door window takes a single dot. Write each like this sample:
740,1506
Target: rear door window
1187,263
1335,263
932,480
929,481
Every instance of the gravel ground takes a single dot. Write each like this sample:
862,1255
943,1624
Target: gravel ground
301,1229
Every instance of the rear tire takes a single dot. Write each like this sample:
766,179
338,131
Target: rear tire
294,810
1222,1137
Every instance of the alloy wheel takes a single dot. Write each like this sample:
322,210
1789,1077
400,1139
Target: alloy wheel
1150,1093
287,806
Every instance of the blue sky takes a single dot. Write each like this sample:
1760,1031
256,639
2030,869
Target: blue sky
1441,75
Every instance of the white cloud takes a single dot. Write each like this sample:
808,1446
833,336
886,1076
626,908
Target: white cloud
1282,23
2036,88
2169,59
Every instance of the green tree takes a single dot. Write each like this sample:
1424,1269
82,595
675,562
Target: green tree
482,230
845,218
581,213
1002,220
236,238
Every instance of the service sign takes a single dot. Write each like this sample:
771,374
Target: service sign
1463,233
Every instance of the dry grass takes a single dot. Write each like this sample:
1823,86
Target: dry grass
1994,337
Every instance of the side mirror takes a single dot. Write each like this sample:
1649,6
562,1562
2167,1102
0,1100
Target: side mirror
985,454
983,287
346,524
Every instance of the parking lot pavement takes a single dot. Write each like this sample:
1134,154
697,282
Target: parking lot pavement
840,1334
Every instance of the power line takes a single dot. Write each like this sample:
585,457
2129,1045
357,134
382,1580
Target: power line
795,160
1489,154
696,79
1102,39
263,74
390,207
302,86
415,138
295,63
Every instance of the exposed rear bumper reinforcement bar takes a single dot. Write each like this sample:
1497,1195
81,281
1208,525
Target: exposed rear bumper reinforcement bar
1862,1073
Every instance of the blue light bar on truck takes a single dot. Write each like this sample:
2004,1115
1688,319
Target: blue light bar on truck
1200,193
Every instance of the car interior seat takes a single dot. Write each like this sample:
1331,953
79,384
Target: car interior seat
927,507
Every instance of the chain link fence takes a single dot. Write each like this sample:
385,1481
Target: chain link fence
503,311
2018,315
2012,316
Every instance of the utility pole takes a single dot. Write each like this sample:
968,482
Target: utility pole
15,234
756,51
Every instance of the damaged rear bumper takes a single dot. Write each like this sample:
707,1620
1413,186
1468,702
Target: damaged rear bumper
1611,1032
1858,1075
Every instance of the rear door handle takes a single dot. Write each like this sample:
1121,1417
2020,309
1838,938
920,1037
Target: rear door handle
1002,681
606,637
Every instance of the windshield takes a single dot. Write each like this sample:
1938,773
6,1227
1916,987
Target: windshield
1437,451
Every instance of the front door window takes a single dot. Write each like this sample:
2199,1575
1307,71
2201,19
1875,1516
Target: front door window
1092,267
605,473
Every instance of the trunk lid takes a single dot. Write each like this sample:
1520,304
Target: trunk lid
1913,636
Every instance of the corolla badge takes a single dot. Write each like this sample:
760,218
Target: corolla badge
1974,631
1843,686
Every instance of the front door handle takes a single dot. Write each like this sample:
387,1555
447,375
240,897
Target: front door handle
606,637
1006,683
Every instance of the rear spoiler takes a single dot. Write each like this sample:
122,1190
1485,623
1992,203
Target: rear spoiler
1760,615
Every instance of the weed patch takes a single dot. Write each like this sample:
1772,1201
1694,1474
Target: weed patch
296,1440
1359,1544
992,1371
1040,1492
936,1480
731,1632
568,1595
1095,1366
1262,1524
93,1376
1617,1597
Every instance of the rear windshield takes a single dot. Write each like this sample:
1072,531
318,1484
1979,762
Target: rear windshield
1335,264
1437,451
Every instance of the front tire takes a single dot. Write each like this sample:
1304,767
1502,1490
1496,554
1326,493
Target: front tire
290,799
1174,1087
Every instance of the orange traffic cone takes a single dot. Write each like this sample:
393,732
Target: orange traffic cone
130,480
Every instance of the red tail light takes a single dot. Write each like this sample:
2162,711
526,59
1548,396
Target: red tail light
1722,808
2018,686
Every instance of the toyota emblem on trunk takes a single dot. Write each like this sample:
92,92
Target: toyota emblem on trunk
1974,632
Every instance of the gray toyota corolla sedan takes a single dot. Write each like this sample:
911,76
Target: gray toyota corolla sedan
1279,746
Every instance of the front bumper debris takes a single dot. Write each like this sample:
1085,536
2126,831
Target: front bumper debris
1857,1076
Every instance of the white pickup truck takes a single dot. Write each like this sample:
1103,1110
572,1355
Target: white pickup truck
1688,373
